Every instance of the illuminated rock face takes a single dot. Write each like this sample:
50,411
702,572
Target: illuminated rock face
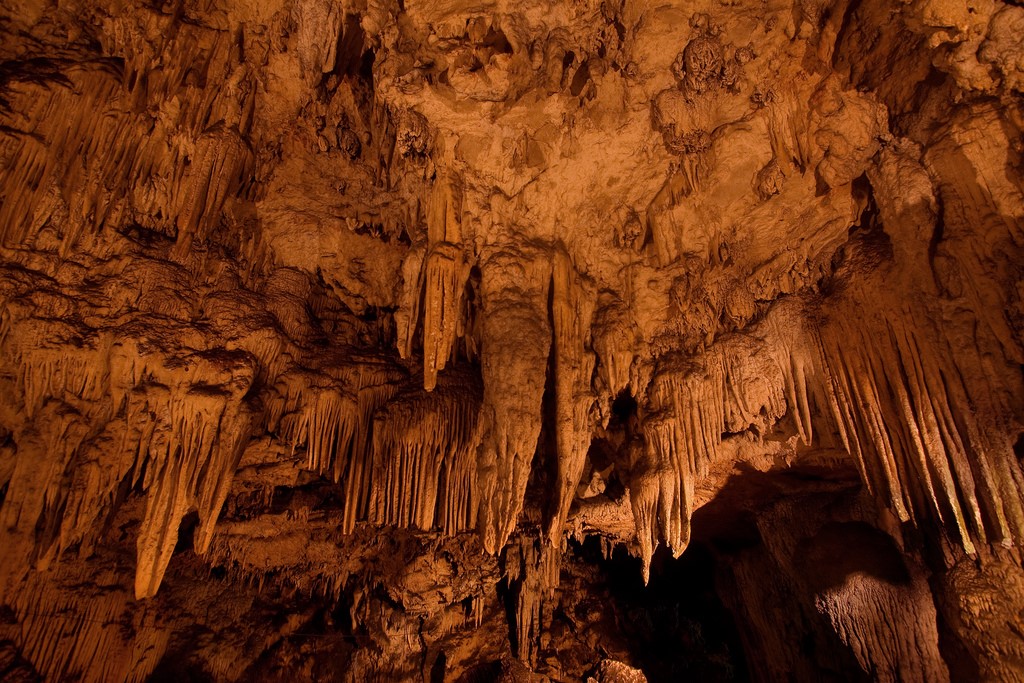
409,340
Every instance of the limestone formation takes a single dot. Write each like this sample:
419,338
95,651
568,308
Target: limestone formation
558,340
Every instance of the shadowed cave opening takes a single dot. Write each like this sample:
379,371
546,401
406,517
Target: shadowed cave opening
737,599
674,628
186,532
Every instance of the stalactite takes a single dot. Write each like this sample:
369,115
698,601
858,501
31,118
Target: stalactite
319,25
335,424
516,339
60,396
681,434
616,343
187,462
645,495
408,314
377,383
328,423
789,133
445,279
53,372
424,462
35,495
435,280
252,330
84,157
185,433
81,635
744,383
878,384
218,219
907,420
791,343
221,163
572,306
47,152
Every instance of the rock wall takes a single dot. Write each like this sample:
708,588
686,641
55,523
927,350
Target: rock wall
330,329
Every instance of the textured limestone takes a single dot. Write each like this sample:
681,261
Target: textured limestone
346,320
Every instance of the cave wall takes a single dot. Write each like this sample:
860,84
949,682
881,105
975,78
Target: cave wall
328,328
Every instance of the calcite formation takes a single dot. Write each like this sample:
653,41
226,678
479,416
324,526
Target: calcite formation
605,340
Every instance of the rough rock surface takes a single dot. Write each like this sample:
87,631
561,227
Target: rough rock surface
419,340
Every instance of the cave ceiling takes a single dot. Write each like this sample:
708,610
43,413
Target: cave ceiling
419,340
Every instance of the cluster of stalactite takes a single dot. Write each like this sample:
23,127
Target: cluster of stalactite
874,369
72,634
78,163
120,413
424,459
145,350
890,390
892,396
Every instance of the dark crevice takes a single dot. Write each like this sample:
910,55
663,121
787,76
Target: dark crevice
186,532
580,79
936,239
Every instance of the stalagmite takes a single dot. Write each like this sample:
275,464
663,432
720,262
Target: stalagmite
531,573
